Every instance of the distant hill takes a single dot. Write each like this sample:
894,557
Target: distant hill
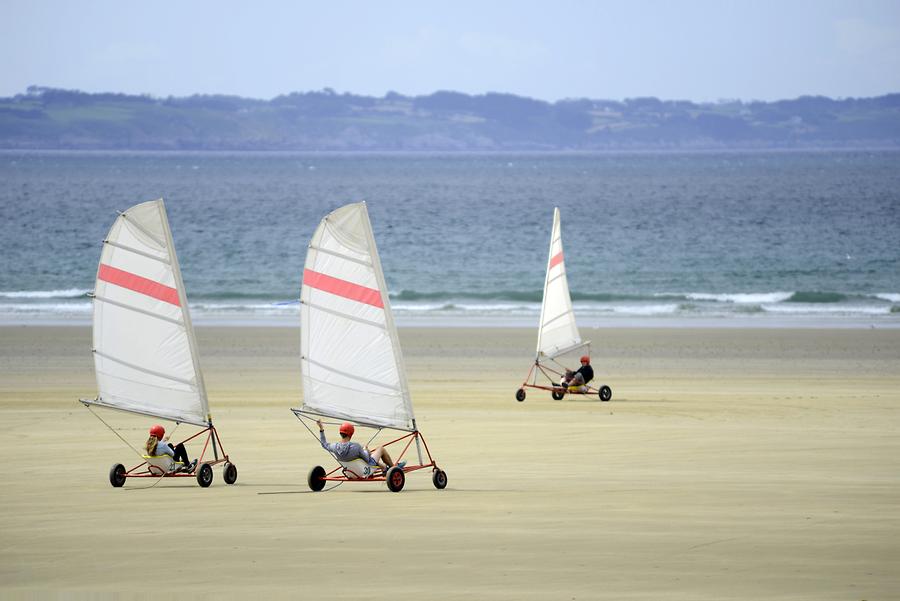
47,118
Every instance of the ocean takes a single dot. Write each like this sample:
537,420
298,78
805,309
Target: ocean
676,238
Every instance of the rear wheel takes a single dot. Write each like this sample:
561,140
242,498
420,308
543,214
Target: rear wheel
439,479
520,395
205,475
605,393
230,473
316,478
117,475
557,394
395,479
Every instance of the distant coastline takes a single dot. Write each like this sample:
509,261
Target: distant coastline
325,121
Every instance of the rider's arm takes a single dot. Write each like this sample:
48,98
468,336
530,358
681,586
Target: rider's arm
325,444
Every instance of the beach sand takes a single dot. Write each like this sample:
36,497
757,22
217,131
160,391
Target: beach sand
730,464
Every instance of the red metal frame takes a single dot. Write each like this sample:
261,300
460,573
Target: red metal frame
414,435
211,432
553,387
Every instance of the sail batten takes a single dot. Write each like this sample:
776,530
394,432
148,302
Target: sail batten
341,256
146,371
145,354
352,365
103,299
136,251
374,324
556,308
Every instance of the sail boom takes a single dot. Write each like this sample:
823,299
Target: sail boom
554,353
158,415
315,413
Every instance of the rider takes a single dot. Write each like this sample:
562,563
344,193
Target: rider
348,451
158,445
577,381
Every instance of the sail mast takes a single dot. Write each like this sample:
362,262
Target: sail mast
185,311
389,317
554,234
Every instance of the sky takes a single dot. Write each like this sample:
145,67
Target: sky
699,50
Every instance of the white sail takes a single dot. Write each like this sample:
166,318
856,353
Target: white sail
144,350
558,332
350,353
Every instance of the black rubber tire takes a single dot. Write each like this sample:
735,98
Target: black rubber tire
316,478
520,395
230,473
439,479
395,479
557,396
205,475
117,475
605,393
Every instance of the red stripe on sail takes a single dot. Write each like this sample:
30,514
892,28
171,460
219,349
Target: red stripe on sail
139,284
340,287
556,260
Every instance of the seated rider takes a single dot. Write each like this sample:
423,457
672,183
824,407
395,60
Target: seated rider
577,381
348,451
158,445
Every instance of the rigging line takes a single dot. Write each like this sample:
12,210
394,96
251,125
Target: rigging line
138,453
137,251
320,443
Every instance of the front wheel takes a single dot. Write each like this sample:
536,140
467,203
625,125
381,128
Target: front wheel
316,478
205,475
230,473
117,475
520,395
439,479
605,393
395,479
557,395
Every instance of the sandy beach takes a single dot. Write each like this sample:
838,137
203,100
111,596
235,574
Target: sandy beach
730,464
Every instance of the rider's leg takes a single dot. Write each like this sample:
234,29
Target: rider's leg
382,457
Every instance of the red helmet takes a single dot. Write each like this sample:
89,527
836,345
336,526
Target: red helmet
347,429
158,431
585,359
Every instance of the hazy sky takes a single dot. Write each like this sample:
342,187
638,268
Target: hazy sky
697,50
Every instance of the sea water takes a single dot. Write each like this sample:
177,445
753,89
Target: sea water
721,238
